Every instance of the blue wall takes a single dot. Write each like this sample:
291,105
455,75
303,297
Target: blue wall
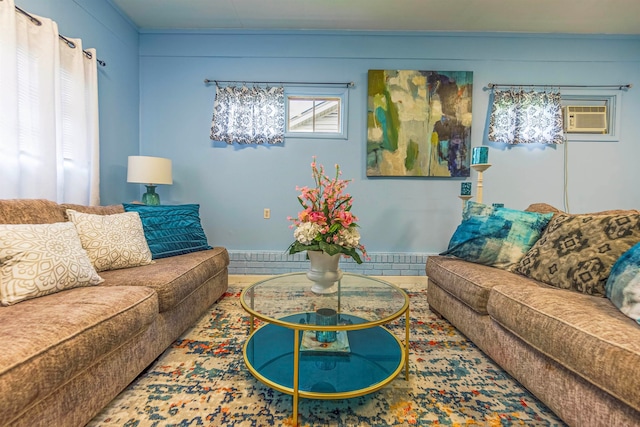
102,26
233,183
153,101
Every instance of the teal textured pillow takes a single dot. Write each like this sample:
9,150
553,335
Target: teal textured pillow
475,208
171,229
500,239
623,284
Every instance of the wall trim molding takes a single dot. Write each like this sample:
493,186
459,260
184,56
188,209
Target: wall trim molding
381,263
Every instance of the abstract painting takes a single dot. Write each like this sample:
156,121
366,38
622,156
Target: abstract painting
419,123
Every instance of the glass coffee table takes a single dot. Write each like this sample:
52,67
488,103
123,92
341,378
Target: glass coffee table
325,346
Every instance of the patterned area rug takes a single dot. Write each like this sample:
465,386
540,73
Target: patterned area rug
201,380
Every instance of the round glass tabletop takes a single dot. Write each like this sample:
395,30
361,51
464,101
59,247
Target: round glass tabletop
362,301
373,357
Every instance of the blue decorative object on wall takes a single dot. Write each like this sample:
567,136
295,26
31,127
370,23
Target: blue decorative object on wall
465,188
480,156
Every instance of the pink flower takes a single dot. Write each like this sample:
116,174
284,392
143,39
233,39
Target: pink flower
345,218
318,218
326,215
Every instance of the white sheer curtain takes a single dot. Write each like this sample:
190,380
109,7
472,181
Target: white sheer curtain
519,117
49,143
248,115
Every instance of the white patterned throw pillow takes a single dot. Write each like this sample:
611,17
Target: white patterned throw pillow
41,259
112,241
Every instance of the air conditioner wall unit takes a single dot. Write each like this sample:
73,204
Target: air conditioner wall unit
585,119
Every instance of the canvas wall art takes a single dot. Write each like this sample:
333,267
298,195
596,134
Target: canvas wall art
419,123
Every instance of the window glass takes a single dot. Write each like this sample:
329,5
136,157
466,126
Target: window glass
313,114
316,114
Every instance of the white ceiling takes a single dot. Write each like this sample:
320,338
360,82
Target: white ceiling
527,16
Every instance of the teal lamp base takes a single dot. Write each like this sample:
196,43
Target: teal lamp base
151,197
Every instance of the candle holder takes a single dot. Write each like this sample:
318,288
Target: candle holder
480,155
465,188
480,168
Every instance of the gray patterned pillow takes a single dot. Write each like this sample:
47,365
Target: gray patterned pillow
112,241
41,259
577,252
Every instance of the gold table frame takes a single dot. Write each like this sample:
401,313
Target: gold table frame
299,328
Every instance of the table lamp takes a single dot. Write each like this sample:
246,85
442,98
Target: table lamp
150,171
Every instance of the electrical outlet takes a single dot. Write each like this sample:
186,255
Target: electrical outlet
267,213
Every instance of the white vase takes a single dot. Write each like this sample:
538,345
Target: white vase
324,272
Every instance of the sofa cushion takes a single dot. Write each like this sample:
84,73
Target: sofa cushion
546,208
583,333
171,230
543,208
30,211
499,239
47,341
95,210
468,282
623,284
173,278
577,251
41,259
112,241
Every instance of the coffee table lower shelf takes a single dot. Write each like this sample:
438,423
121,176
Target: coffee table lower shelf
375,358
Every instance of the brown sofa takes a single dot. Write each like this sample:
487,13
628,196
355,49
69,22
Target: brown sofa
66,355
577,353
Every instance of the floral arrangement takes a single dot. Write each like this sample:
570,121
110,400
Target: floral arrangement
326,222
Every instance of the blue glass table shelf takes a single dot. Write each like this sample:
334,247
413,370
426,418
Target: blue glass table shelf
374,356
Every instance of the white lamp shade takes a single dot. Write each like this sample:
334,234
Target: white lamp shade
149,170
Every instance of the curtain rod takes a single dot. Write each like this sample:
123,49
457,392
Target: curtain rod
619,87
69,43
346,84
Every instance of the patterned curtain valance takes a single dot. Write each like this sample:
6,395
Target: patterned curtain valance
248,115
519,117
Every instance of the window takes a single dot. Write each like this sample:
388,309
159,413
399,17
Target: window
313,114
316,113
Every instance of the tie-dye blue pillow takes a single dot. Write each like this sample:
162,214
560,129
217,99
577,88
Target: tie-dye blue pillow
499,239
623,284
474,208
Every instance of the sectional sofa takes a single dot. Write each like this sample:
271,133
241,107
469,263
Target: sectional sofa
65,355
578,353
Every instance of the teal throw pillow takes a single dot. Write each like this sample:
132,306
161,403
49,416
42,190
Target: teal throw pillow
623,284
500,239
475,208
171,229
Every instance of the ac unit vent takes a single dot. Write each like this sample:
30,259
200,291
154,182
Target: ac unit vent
585,119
